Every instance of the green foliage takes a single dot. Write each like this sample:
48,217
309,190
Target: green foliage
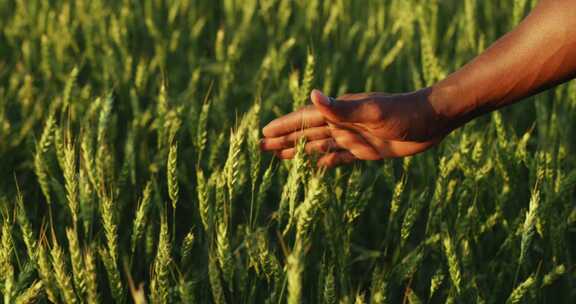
130,166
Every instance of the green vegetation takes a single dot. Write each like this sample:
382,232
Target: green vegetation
130,169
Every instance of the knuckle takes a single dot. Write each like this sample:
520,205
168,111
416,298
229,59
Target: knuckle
344,141
374,107
325,146
284,141
292,138
286,154
358,153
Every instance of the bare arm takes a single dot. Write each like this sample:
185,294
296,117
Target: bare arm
538,54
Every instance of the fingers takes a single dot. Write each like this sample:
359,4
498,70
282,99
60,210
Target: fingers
304,118
336,159
326,139
290,140
356,148
347,111
317,146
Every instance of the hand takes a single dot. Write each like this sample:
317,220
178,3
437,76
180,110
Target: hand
365,126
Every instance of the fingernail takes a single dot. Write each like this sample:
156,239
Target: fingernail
262,143
322,98
265,130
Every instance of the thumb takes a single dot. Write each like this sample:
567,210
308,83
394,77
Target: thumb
360,110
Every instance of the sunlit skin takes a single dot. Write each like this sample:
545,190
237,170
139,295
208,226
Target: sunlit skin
540,53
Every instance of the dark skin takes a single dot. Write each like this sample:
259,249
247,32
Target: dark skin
540,53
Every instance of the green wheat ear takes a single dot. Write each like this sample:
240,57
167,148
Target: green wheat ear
160,278
201,130
114,281
293,185
78,269
91,277
186,248
411,215
294,269
47,274
329,292
40,167
521,290
28,234
453,263
62,275
307,211
215,281
141,215
232,165
186,291
203,190
6,265
553,275
71,179
529,225
172,175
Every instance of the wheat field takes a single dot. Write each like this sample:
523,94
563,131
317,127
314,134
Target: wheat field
130,168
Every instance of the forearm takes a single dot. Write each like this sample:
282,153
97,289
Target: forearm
538,54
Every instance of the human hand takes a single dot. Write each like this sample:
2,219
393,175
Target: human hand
365,126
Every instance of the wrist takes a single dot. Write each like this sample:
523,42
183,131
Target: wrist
450,107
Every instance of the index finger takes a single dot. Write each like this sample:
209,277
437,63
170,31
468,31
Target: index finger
304,118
